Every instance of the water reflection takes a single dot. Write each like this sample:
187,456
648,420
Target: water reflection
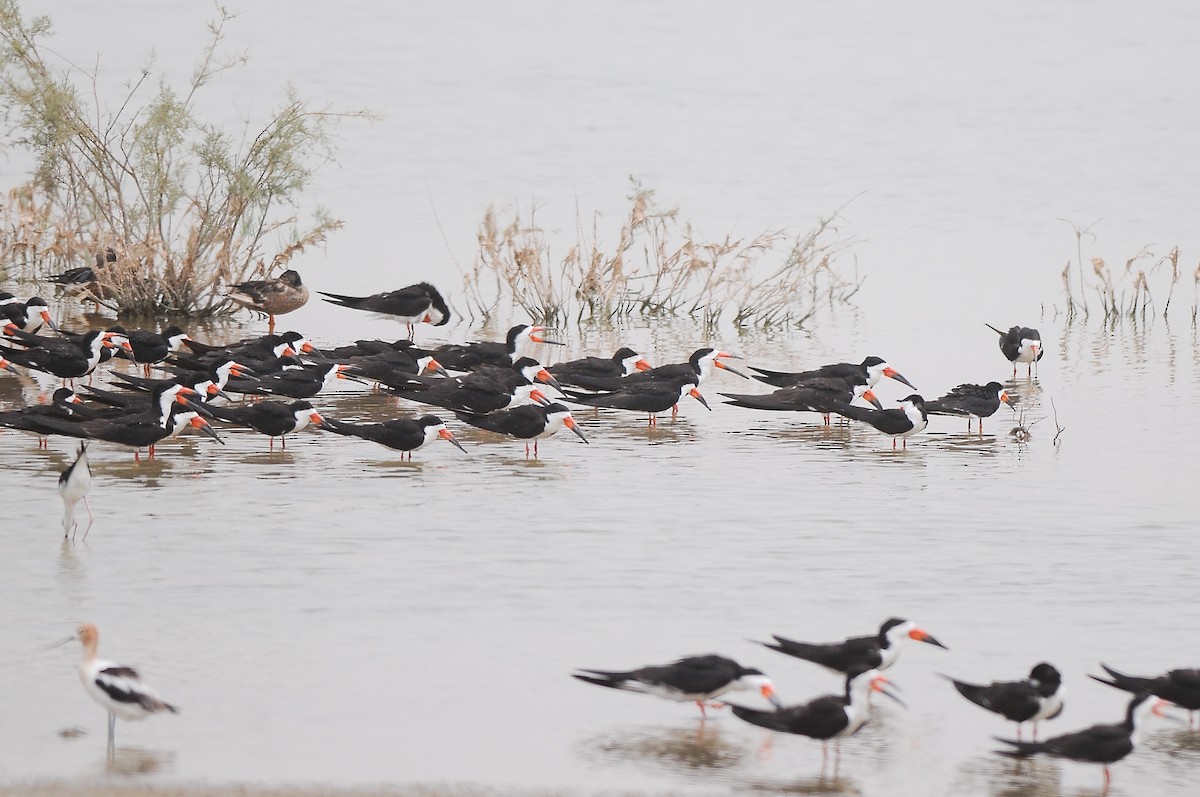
675,749
822,784
130,761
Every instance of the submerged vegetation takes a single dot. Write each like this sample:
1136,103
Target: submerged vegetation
1125,292
184,206
657,266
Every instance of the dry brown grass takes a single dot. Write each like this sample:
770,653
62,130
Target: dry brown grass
658,266
1125,292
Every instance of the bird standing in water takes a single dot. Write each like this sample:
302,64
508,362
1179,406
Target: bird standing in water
74,483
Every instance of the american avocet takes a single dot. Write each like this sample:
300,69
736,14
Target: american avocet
73,486
119,689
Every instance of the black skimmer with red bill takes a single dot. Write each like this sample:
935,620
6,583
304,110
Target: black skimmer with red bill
651,397
827,717
473,393
64,403
402,434
415,304
1098,744
66,359
271,297
878,651
908,419
1181,686
692,679
529,422
1020,345
870,370
699,365
1038,697
136,431
208,385
971,401
468,356
249,352
29,316
74,483
120,690
272,418
624,362
300,383
818,395
147,347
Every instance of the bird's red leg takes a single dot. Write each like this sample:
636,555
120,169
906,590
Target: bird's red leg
270,324
283,442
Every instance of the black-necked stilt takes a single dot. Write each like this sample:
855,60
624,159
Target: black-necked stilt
74,483
1181,686
870,370
414,304
529,422
1020,345
827,717
401,434
271,297
878,651
908,419
693,679
972,401
1038,697
120,690
1098,744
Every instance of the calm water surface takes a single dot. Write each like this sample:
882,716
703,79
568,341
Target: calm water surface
330,614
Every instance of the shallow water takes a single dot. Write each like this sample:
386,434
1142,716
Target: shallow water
330,614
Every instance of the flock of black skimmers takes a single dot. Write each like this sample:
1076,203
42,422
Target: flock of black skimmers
861,662
185,384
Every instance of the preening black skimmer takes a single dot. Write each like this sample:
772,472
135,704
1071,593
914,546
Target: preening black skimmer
1020,345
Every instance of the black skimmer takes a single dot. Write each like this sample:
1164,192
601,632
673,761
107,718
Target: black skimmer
1038,697
415,304
74,483
529,422
147,347
63,404
136,431
250,352
468,356
692,679
85,279
304,382
120,690
66,359
819,395
624,362
827,717
973,401
28,316
907,419
271,297
394,370
1020,345
272,418
878,651
402,434
699,366
1181,687
652,397
206,384
870,370
473,393
1098,744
